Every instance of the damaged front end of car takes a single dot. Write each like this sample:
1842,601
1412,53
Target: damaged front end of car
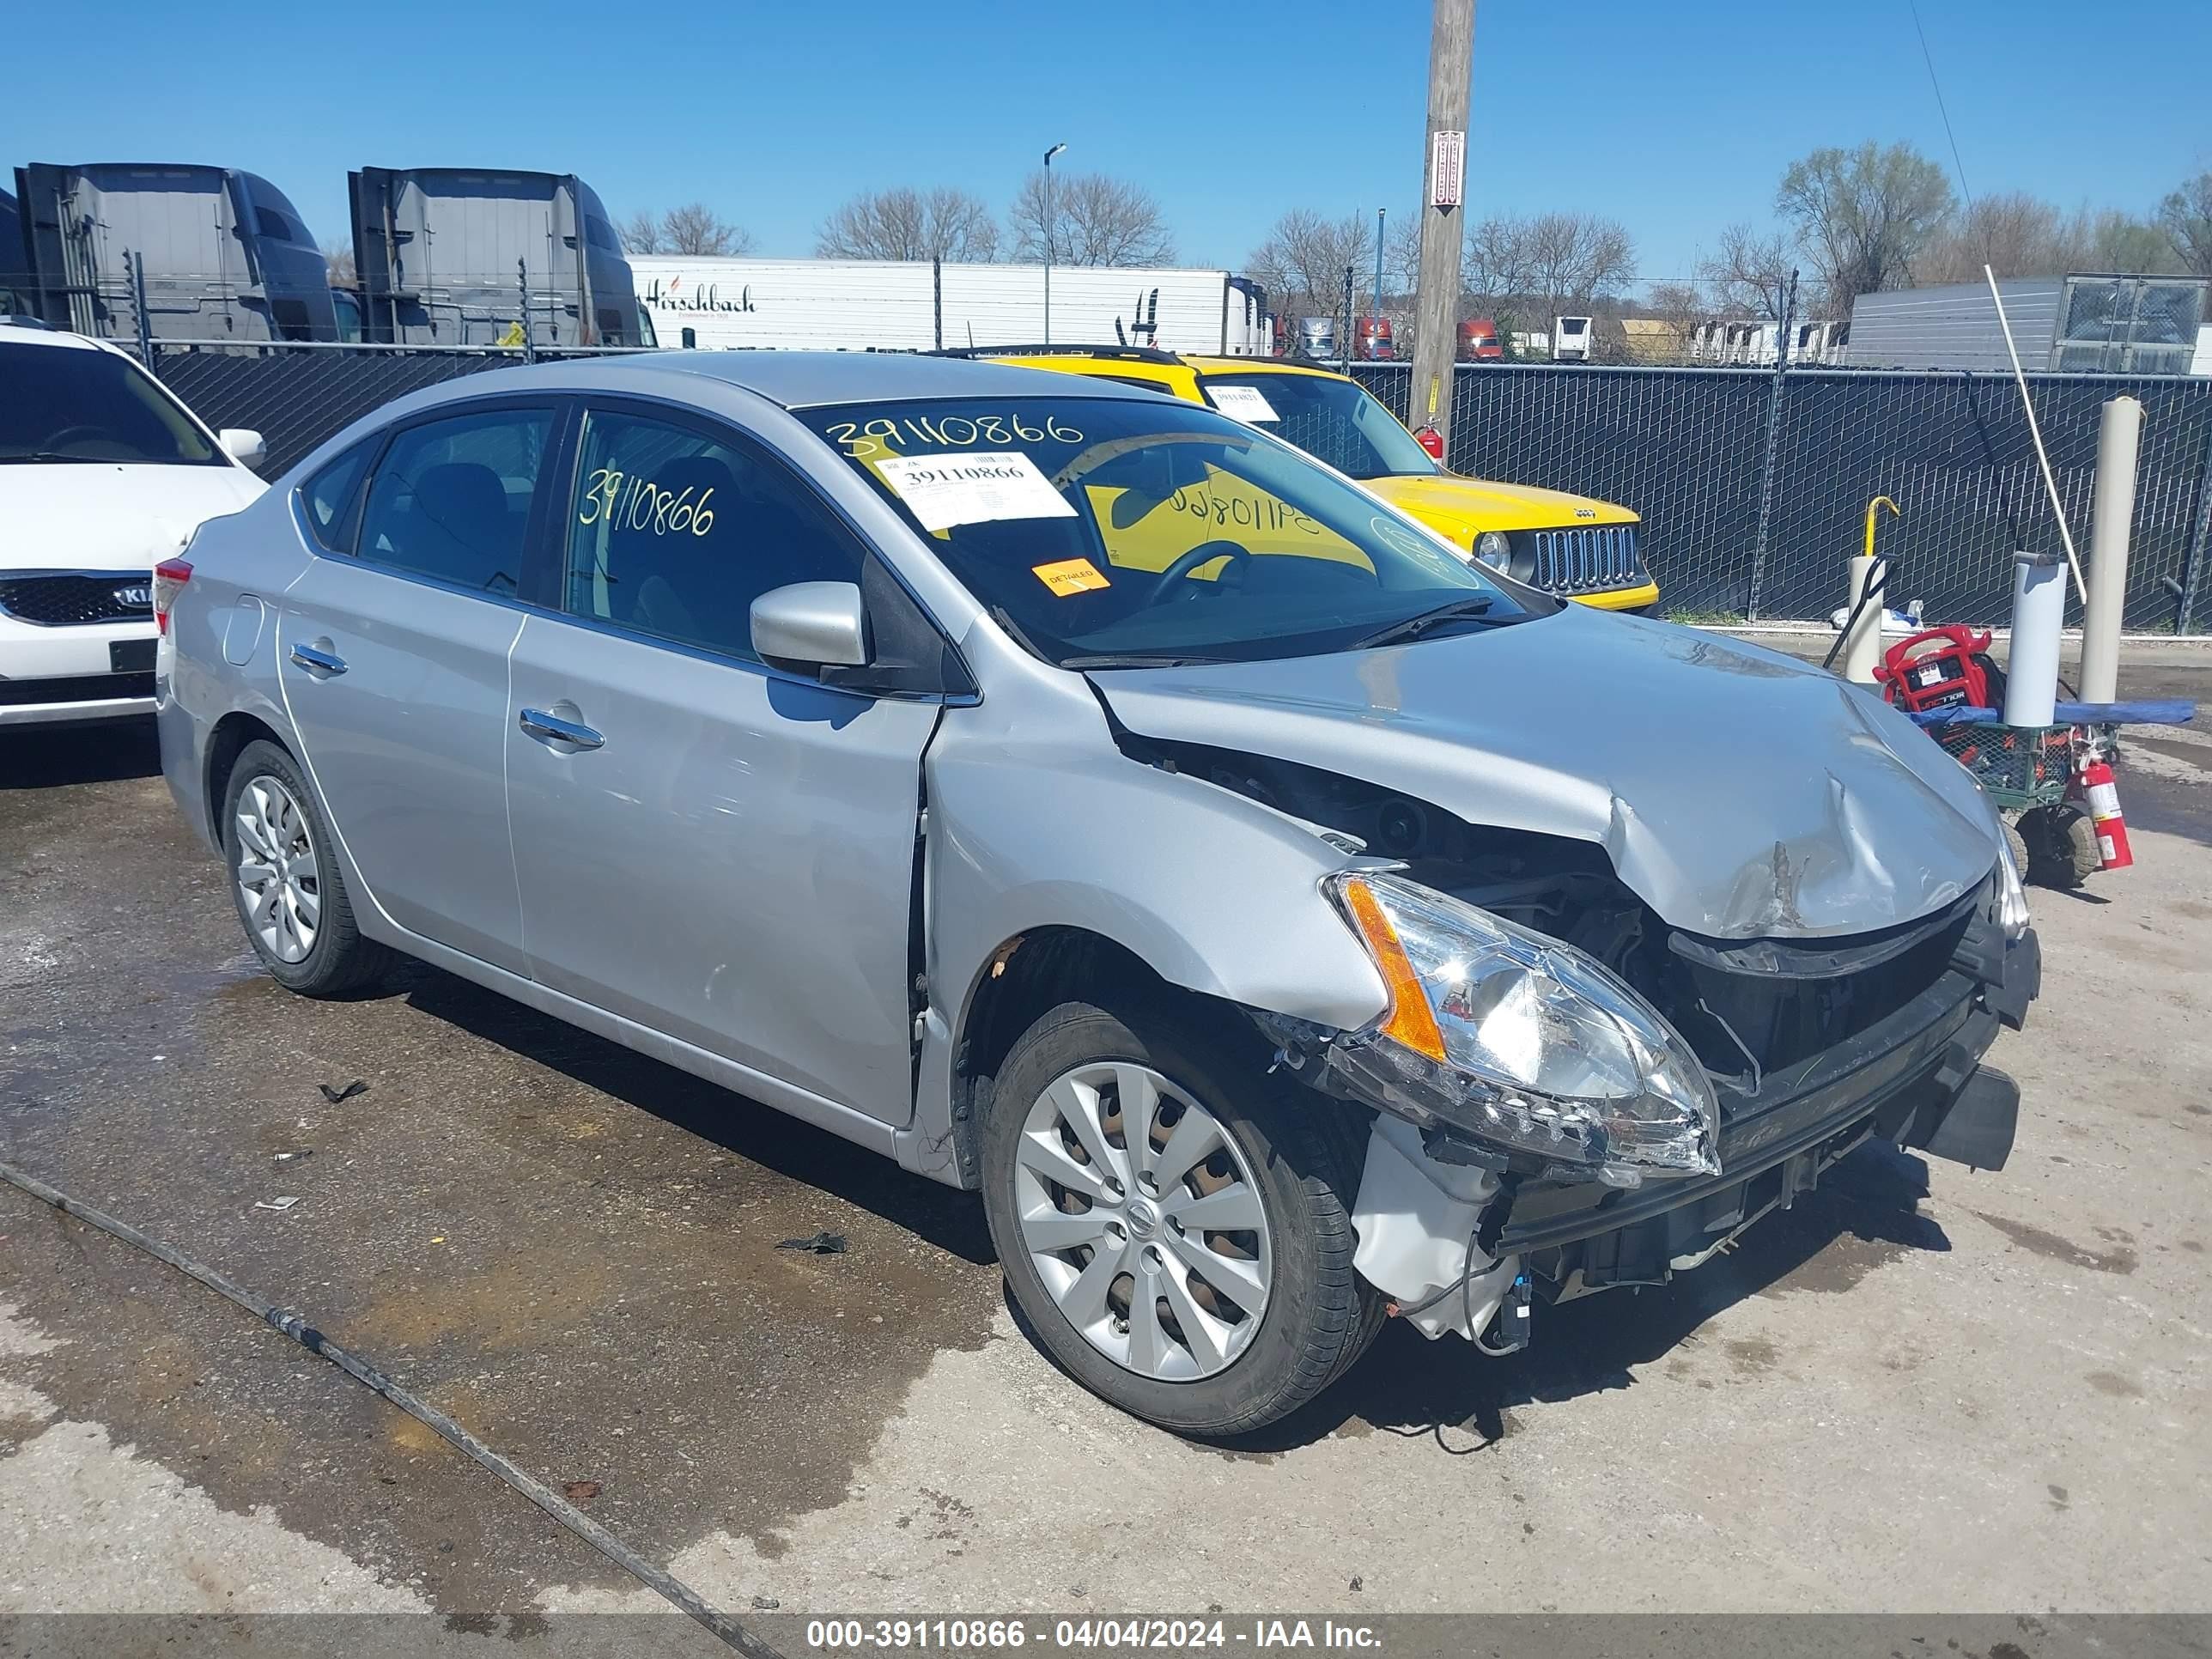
1570,1094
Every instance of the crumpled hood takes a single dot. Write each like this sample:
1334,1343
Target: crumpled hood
106,515
1479,504
1739,793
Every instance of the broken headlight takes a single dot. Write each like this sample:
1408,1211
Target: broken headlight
1524,1041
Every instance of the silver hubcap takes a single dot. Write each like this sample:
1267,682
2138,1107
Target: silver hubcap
278,880
1142,1218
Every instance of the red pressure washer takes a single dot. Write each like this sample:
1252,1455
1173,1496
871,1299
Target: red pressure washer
1942,668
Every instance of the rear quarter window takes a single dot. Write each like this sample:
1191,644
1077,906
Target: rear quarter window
328,499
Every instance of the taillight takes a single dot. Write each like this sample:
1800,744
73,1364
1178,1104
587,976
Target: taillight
169,578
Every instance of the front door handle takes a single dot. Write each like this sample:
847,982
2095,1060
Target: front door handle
316,662
552,728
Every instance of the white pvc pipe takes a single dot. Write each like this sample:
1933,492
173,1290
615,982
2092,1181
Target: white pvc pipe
2119,434
1863,645
2039,613
2035,432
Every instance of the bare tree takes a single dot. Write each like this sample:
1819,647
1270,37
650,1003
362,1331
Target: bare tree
1575,259
1748,275
909,224
2015,234
1302,261
695,227
640,234
1401,254
2111,240
338,258
2185,216
1862,215
1495,262
1096,221
1679,306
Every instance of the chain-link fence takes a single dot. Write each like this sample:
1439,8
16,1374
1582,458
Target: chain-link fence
1727,532
297,395
1753,487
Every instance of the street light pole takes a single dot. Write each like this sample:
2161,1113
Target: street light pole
1048,154
1379,213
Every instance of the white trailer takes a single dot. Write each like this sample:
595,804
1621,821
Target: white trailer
855,304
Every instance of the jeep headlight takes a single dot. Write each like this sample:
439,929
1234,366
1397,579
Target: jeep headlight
2012,893
1524,1041
1492,548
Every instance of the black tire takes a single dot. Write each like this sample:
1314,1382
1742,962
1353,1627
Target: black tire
340,961
1306,1154
2062,846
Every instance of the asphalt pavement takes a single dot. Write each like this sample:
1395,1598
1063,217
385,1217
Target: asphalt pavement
1922,1387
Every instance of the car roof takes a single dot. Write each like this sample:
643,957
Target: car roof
1205,365
810,379
32,333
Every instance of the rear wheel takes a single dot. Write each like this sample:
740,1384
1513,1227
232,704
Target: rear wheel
285,881
2062,846
1174,1224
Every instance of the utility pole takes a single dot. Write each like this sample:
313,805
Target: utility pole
1436,299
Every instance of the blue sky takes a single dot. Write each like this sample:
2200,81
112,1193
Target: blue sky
1674,119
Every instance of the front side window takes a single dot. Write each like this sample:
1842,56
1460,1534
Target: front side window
1121,531
451,499
675,531
1333,420
63,404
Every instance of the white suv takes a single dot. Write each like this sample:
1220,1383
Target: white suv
103,475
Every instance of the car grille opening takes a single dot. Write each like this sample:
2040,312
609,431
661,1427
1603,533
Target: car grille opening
1587,559
72,599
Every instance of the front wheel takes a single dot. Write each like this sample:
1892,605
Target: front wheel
1175,1224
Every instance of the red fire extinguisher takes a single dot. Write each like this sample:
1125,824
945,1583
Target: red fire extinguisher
1431,440
2112,829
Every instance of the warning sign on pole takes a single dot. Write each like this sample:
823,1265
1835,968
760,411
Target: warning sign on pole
1446,169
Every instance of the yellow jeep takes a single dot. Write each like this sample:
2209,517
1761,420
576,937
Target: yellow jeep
1569,545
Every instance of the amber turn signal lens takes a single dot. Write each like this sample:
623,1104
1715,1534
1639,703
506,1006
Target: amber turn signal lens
1408,1018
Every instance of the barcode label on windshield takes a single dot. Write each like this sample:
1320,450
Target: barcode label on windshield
1242,403
975,487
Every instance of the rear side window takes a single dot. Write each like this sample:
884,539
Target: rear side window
451,499
675,531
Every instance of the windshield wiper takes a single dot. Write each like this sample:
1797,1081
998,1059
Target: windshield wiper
1138,659
1414,627
48,456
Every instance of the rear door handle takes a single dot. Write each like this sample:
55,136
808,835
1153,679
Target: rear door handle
317,662
552,728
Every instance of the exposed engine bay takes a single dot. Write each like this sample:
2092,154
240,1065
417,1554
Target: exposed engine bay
1809,1047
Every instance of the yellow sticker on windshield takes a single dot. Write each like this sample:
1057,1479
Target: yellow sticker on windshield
1069,576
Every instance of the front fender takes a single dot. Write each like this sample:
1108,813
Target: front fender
1216,893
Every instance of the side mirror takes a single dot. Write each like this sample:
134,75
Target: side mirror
244,445
811,624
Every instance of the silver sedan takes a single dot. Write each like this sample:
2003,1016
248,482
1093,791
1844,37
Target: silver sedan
1087,798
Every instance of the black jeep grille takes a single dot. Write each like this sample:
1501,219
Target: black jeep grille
70,598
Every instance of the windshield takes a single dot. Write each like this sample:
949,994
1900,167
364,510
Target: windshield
1126,532
65,404
1332,420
